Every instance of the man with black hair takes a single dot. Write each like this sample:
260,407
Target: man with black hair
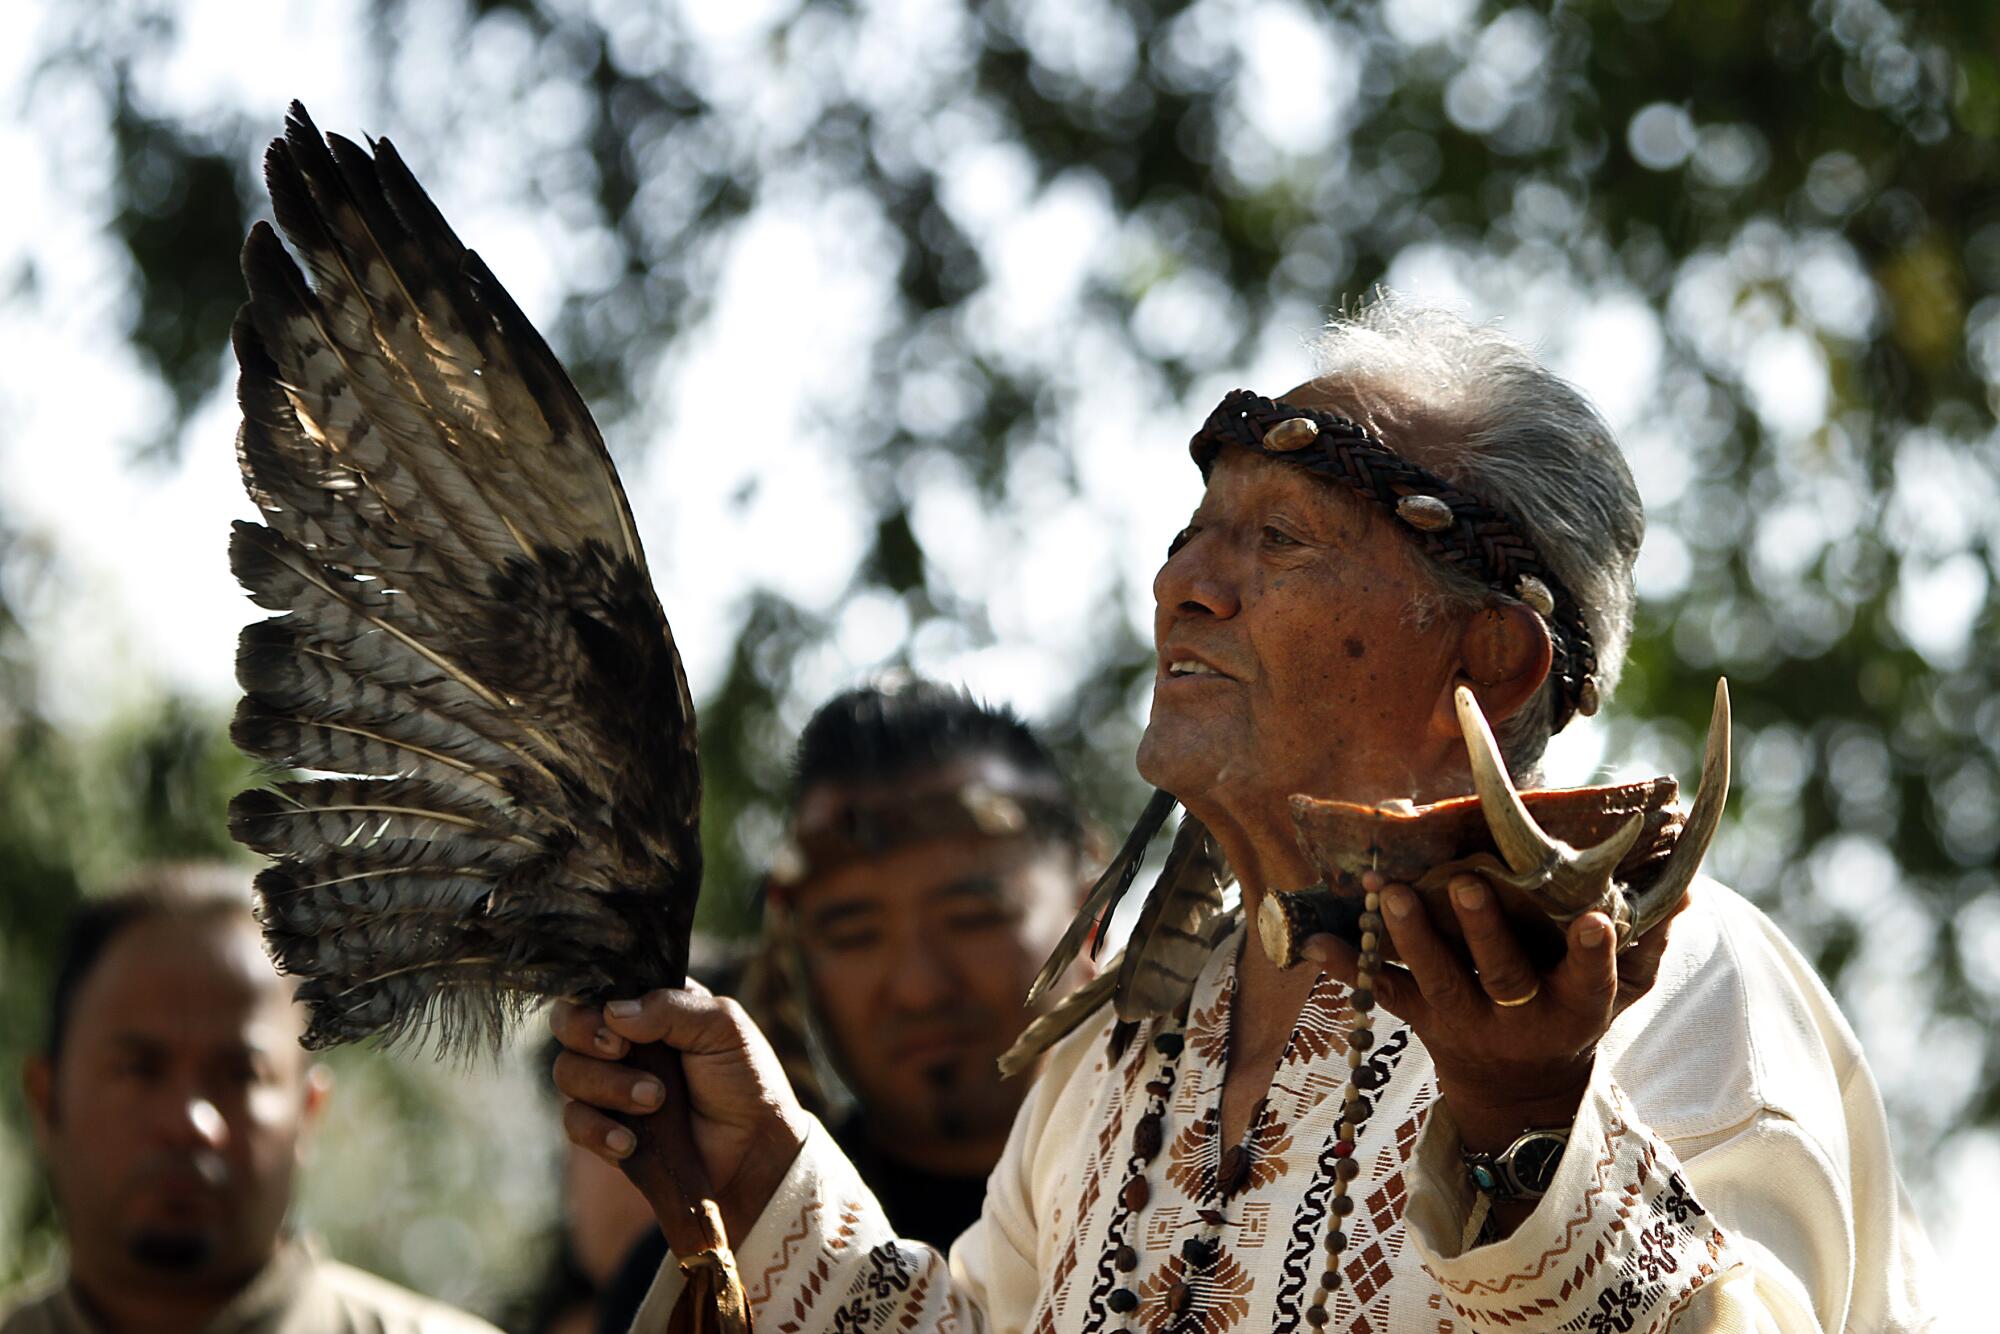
935,856
172,1105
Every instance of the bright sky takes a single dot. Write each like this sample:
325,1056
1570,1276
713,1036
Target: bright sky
136,597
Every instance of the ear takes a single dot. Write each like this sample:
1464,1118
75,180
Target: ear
1504,655
318,1084
38,1082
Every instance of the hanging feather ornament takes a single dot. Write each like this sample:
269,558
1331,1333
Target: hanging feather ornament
469,650
1182,919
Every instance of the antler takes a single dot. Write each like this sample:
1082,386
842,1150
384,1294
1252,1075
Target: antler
1565,881
1658,899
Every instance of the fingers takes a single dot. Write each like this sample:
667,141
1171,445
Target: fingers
591,1129
1504,971
1639,965
581,1028
603,1084
690,1021
1587,979
1440,978
1395,991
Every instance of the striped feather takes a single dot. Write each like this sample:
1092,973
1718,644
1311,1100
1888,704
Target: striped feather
1172,938
467,637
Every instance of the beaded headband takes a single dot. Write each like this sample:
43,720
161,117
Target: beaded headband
1454,528
872,829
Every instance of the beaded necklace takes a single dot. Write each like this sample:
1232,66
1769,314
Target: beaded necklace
1232,1169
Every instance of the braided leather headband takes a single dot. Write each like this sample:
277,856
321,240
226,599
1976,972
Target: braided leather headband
1453,527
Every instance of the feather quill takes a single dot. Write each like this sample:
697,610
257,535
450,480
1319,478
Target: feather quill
1104,895
1171,939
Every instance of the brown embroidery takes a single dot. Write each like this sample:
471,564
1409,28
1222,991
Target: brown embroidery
1217,1298
1321,1036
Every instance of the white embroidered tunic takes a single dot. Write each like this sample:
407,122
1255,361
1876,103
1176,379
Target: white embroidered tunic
1729,1169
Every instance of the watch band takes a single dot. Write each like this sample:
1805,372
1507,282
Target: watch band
1524,1170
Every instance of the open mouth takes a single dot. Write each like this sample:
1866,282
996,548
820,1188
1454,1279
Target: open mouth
1189,667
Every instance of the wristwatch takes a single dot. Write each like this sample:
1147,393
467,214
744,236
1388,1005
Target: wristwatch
1524,1170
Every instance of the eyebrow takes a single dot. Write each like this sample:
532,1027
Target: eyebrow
834,914
984,887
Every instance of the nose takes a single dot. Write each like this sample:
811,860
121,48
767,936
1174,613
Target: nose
921,979
1194,581
191,1120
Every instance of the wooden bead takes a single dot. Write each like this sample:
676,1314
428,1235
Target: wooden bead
1353,1057
1169,1043
1137,1192
1363,1000
1316,1316
1177,1297
1367,1077
1199,1252
1342,1205
1123,1300
1330,1280
1346,1169
1159,1088
1212,1217
1234,1170
1372,901
1361,1039
1126,1259
1371,922
1146,1137
1368,962
1336,1240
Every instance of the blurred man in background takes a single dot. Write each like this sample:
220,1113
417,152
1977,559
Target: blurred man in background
172,1105
935,856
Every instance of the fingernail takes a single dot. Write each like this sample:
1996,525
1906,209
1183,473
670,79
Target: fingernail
621,1141
625,1009
1593,932
1468,894
1399,902
648,1092
610,1043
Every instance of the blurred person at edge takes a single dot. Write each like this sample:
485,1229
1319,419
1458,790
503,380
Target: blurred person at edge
935,855
172,1106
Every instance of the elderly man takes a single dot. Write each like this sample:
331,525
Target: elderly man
172,1105
1682,1133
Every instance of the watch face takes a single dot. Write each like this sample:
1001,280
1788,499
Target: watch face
1535,1159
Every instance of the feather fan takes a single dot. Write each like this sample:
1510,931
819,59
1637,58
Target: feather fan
468,649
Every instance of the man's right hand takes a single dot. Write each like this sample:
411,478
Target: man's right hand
748,1126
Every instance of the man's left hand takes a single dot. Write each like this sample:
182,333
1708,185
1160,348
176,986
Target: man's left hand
1501,1068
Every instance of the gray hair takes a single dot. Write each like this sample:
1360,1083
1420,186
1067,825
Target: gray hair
1474,406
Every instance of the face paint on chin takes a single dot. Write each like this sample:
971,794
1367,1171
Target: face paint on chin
946,1116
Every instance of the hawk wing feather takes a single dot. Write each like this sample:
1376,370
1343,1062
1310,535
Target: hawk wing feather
468,644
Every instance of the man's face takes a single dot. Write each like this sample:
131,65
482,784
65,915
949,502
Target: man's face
172,1120
1296,599
919,960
